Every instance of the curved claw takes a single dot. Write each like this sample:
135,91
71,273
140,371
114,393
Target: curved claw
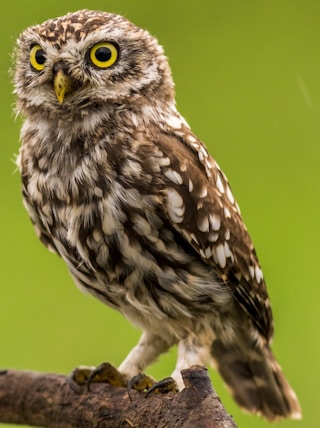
107,373
140,382
81,374
164,386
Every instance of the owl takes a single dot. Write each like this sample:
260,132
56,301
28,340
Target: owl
116,183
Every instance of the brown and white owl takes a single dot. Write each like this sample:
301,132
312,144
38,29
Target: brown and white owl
116,183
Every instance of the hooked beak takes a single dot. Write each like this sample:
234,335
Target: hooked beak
62,84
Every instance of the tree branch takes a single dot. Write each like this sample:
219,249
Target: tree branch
54,401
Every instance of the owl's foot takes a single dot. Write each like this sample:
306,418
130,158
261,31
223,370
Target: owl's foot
105,372
142,382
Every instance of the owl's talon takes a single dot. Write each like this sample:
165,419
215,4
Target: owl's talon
140,383
104,373
81,374
143,382
164,386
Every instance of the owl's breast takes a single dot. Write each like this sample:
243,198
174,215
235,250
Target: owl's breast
102,211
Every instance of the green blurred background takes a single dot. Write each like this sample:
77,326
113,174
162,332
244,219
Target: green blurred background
248,81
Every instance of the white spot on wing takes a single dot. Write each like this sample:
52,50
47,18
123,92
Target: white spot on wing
203,224
174,122
208,252
227,250
209,164
191,139
173,176
190,185
214,221
203,151
221,255
219,184
203,193
199,204
214,254
251,270
230,195
259,274
213,236
164,161
183,167
227,212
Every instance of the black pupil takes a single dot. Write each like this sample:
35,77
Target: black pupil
40,58
103,54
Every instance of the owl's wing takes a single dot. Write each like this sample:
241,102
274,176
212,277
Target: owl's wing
200,205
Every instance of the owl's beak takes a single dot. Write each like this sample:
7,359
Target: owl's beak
62,85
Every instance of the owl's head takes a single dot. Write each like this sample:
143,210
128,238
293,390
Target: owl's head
86,60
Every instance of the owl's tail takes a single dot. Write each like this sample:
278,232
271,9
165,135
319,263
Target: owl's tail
256,380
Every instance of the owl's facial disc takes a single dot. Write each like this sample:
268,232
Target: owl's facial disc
74,70
101,56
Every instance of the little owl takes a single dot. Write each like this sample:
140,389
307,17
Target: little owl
116,183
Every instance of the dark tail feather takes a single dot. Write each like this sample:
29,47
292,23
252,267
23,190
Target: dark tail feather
256,380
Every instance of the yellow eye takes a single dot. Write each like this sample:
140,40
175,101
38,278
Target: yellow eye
103,55
37,57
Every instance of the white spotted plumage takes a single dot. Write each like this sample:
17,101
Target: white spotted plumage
117,184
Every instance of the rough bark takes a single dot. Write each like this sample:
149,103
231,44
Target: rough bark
54,401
